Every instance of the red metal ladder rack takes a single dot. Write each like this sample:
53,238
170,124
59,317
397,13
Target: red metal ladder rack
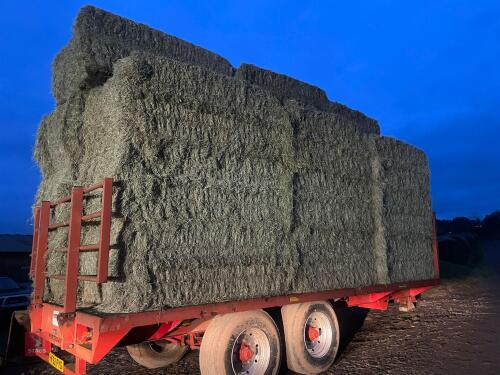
74,246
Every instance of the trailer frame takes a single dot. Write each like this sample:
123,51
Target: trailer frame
88,337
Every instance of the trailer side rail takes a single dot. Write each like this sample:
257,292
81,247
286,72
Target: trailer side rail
40,249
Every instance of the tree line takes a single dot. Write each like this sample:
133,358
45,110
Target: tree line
486,228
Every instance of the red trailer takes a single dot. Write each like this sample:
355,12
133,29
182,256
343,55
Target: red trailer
237,337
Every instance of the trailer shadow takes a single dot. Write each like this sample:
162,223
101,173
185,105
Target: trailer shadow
350,321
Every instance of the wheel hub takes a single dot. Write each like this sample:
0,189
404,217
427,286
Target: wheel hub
313,333
246,353
251,352
318,334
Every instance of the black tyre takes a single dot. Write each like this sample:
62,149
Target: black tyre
156,354
241,343
311,336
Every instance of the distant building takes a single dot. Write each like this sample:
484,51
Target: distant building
15,256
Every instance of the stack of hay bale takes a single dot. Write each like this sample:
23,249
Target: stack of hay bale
404,178
230,183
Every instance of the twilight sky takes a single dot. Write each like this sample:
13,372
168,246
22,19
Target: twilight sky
427,71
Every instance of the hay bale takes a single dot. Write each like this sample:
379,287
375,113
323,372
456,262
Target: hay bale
407,214
287,88
282,86
101,38
349,116
336,205
227,187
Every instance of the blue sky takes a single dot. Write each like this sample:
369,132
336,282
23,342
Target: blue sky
428,71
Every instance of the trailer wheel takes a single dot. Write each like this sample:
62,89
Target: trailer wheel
156,354
311,336
241,343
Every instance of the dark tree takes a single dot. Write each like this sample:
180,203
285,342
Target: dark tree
491,226
457,225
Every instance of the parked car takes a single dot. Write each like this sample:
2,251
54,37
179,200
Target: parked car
12,297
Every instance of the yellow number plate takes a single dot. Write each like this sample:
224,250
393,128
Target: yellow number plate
56,362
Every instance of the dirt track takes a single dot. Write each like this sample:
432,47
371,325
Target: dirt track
455,330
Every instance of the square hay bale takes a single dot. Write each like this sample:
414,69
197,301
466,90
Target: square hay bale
336,191
282,86
289,89
407,217
101,38
331,257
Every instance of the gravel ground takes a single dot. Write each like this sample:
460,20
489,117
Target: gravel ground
454,330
